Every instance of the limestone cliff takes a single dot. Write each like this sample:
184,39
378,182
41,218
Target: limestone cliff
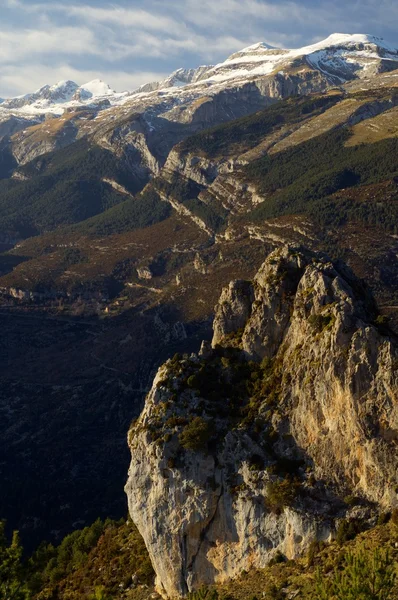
254,445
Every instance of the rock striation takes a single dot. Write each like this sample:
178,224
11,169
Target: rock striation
253,446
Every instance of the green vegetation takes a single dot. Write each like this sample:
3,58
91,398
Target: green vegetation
55,563
321,322
196,435
281,493
303,179
347,530
364,575
63,187
364,568
95,563
73,256
186,192
142,211
247,132
12,583
7,162
108,561
203,594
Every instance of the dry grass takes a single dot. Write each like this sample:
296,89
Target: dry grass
379,128
334,117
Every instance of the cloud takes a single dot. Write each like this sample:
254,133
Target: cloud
136,39
123,17
31,77
20,45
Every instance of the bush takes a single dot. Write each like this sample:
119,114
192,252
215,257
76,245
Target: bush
382,320
203,593
196,434
277,559
321,322
383,518
394,517
12,585
352,500
281,494
347,530
365,576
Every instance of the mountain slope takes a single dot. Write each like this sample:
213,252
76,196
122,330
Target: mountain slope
245,82
64,187
141,213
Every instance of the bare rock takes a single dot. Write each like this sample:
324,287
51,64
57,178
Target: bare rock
250,449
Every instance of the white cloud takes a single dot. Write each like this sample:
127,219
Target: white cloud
148,37
19,45
123,17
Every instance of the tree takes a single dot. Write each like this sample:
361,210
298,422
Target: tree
12,585
366,576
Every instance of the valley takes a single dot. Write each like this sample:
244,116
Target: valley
124,217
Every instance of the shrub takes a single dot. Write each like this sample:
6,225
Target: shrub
203,593
321,322
193,381
383,518
277,559
382,320
281,494
347,530
196,434
365,576
12,584
351,500
394,517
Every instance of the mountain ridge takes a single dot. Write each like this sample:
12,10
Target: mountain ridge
358,48
140,213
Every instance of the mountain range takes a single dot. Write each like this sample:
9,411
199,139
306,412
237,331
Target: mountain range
340,57
124,215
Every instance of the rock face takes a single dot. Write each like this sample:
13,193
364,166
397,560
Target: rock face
251,447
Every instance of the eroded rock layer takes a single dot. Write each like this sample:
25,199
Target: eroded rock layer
254,445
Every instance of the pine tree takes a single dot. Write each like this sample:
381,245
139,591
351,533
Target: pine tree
366,576
12,586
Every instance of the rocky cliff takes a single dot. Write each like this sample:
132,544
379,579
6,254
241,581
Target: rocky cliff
269,436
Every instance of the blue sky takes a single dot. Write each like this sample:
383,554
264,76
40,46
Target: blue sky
128,43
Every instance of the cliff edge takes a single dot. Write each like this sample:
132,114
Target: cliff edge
259,444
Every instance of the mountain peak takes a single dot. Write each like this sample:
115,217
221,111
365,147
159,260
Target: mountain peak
63,84
95,88
259,47
350,41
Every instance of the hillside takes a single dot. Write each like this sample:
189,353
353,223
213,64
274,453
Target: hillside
109,560
121,223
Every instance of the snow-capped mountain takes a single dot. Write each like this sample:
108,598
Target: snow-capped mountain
191,99
338,58
64,94
178,78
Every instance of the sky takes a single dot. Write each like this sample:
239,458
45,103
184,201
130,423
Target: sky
128,43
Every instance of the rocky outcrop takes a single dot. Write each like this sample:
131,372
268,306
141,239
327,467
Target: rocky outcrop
251,447
36,141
